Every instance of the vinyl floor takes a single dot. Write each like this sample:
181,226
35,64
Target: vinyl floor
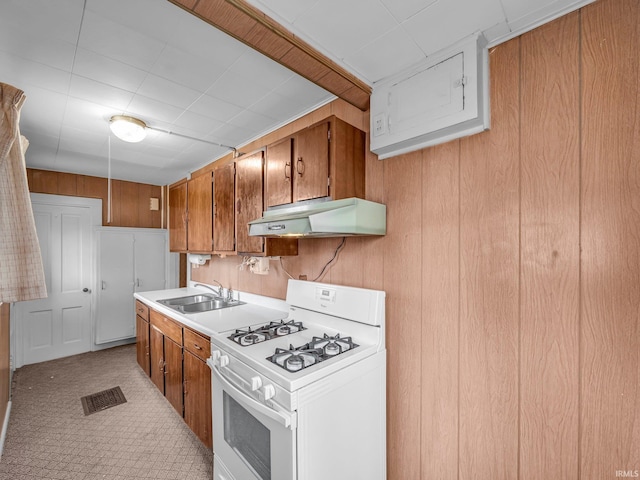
49,436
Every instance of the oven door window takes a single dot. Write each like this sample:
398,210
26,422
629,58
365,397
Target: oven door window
249,438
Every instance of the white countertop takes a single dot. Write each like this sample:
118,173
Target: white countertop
257,310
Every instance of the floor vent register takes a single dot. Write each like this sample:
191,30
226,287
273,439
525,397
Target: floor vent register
102,400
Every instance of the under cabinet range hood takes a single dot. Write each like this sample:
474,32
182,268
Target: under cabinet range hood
332,218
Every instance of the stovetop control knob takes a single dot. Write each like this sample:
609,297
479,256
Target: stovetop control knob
224,361
215,355
256,383
269,391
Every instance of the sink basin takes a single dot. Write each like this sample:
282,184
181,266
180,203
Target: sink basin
189,299
208,305
198,303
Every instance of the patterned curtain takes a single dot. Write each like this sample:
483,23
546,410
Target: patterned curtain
21,272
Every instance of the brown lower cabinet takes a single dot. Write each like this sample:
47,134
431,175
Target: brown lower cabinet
197,397
177,360
142,337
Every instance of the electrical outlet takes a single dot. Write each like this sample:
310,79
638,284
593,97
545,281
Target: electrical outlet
259,265
379,125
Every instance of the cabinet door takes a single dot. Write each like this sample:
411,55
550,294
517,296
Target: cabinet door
223,209
142,344
197,397
115,286
278,173
200,219
311,167
248,202
178,218
156,342
173,374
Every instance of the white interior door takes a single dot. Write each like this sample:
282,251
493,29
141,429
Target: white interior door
151,256
129,260
60,325
115,302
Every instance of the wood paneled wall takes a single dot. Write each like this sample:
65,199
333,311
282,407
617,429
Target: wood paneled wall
512,268
129,200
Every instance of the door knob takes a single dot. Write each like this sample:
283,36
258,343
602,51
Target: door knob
86,290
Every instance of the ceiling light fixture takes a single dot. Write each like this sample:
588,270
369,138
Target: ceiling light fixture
127,128
131,129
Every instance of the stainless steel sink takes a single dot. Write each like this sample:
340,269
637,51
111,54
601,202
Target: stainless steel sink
198,303
189,299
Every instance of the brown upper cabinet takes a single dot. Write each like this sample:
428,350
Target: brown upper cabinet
178,217
326,159
190,215
249,201
224,227
199,214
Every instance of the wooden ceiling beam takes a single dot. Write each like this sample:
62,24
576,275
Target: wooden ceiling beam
255,29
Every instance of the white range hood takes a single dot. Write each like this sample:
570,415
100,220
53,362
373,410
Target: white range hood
333,218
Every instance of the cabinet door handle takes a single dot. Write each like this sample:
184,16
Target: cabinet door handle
287,176
298,163
197,347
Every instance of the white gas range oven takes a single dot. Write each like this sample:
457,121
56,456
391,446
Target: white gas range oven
303,398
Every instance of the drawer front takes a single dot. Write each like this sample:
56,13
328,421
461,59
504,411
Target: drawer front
142,310
197,344
167,326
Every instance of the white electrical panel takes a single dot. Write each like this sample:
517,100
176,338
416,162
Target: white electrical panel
442,98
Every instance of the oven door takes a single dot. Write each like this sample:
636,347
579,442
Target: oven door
251,441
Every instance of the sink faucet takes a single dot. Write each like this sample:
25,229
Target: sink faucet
220,287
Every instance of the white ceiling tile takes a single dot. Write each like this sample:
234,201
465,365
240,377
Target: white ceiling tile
253,121
43,141
106,70
198,38
261,69
441,25
214,108
25,74
163,59
87,89
284,9
43,18
515,9
231,135
42,112
402,10
237,89
298,87
86,115
119,42
150,18
53,52
339,33
150,110
40,156
277,107
189,70
193,124
170,92
387,55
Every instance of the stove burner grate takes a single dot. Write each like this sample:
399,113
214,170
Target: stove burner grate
316,351
246,337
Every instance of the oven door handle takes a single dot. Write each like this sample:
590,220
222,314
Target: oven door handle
287,421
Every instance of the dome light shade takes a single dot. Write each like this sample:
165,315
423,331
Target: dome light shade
129,129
